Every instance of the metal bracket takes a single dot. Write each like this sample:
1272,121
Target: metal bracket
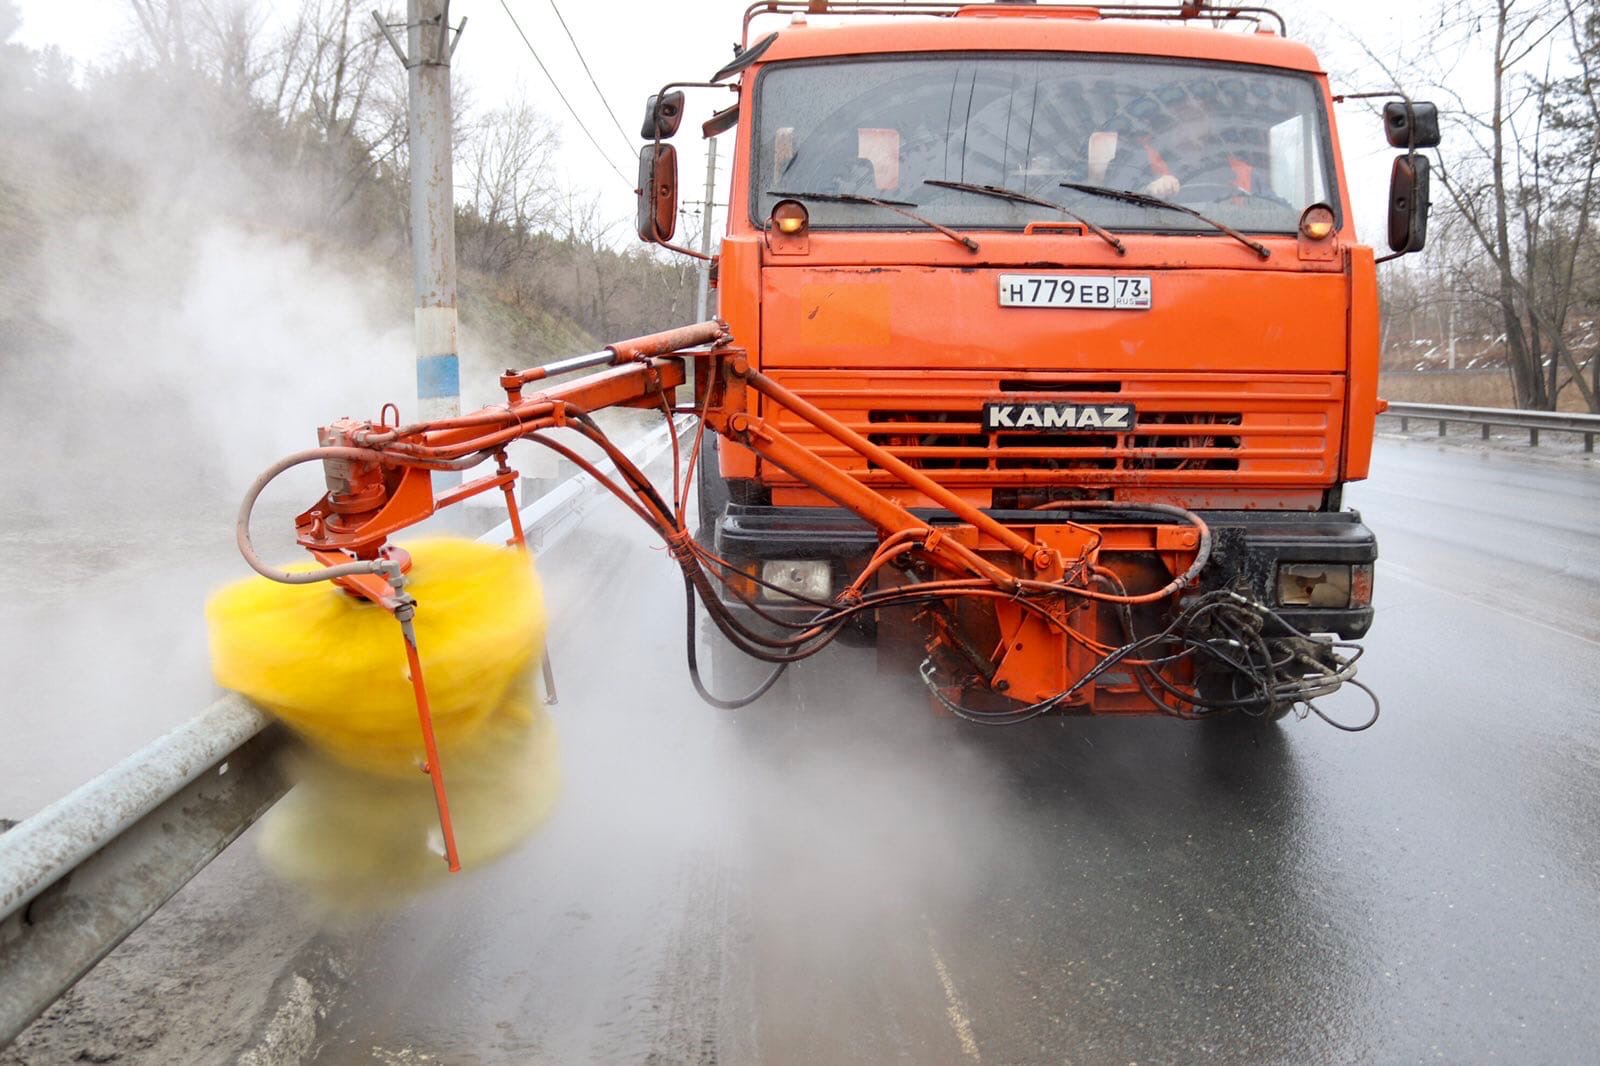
442,56
388,35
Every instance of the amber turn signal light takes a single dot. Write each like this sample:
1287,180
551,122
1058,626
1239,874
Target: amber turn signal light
790,217
1316,222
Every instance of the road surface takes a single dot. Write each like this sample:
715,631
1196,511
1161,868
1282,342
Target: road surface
844,881
835,877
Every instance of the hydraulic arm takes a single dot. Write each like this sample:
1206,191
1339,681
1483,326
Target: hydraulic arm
1087,605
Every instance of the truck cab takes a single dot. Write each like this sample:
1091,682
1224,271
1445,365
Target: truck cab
1053,257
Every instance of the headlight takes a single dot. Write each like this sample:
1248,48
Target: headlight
1324,585
812,578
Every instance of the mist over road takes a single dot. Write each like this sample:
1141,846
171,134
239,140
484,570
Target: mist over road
834,877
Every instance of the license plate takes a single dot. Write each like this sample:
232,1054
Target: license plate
1093,292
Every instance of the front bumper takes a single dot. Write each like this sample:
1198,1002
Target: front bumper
1247,547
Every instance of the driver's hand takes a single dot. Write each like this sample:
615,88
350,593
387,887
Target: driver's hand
1166,187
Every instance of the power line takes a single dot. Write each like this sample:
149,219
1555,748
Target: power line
597,90
557,87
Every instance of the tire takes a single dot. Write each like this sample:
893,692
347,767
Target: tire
1239,723
712,497
1214,686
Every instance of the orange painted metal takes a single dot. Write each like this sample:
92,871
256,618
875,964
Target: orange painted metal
1194,433
739,300
854,367
873,303
433,768
891,464
367,586
468,489
936,317
739,285
1048,249
671,340
370,499
1363,400
1017,30
509,488
880,510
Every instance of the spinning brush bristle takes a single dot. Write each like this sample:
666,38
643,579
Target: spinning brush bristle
333,668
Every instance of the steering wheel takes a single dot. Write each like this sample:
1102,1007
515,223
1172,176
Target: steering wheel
1212,192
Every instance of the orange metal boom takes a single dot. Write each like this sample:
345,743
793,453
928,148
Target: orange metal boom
1016,610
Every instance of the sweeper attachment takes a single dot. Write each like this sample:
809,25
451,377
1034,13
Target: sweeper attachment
1078,605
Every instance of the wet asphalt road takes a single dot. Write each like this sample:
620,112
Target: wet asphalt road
835,877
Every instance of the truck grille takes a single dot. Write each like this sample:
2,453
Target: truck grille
1212,430
1162,440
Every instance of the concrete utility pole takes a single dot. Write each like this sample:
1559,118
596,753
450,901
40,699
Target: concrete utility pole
703,296
429,46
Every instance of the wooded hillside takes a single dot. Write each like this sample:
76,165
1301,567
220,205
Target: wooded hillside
296,128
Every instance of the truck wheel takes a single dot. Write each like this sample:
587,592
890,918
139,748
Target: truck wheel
1218,687
711,490
729,673
1240,723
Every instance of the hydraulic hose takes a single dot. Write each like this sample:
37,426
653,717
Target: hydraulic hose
390,570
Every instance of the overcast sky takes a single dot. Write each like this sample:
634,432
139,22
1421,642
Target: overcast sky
634,46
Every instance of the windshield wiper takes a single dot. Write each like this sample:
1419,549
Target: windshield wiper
1000,193
897,206
1129,197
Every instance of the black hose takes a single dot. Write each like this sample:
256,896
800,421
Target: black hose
694,663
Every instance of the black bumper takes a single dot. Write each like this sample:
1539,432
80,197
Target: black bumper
1247,547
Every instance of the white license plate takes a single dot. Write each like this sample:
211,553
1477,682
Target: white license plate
1095,292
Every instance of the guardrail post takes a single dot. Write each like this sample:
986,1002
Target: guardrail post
1588,442
1443,427
1405,424
1487,426
1533,437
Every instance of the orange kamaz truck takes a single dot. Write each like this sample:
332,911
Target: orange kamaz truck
1080,262
1045,349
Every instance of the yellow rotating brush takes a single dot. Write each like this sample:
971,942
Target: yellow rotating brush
356,840
333,667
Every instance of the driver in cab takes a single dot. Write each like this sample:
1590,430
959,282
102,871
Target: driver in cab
1183,147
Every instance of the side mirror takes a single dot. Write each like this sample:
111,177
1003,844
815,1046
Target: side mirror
662,114
1411,124
657,218
1408,204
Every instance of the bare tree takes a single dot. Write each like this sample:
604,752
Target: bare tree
331,89
164,29
1518,182
595,268
508,162
217,39
318,103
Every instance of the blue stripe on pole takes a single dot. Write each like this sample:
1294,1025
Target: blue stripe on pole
438,375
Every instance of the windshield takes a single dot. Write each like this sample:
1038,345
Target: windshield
1246,146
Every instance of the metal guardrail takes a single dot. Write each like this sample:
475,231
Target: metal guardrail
1487,418
82,874
79,876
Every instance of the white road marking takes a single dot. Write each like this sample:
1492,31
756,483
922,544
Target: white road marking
954,1009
